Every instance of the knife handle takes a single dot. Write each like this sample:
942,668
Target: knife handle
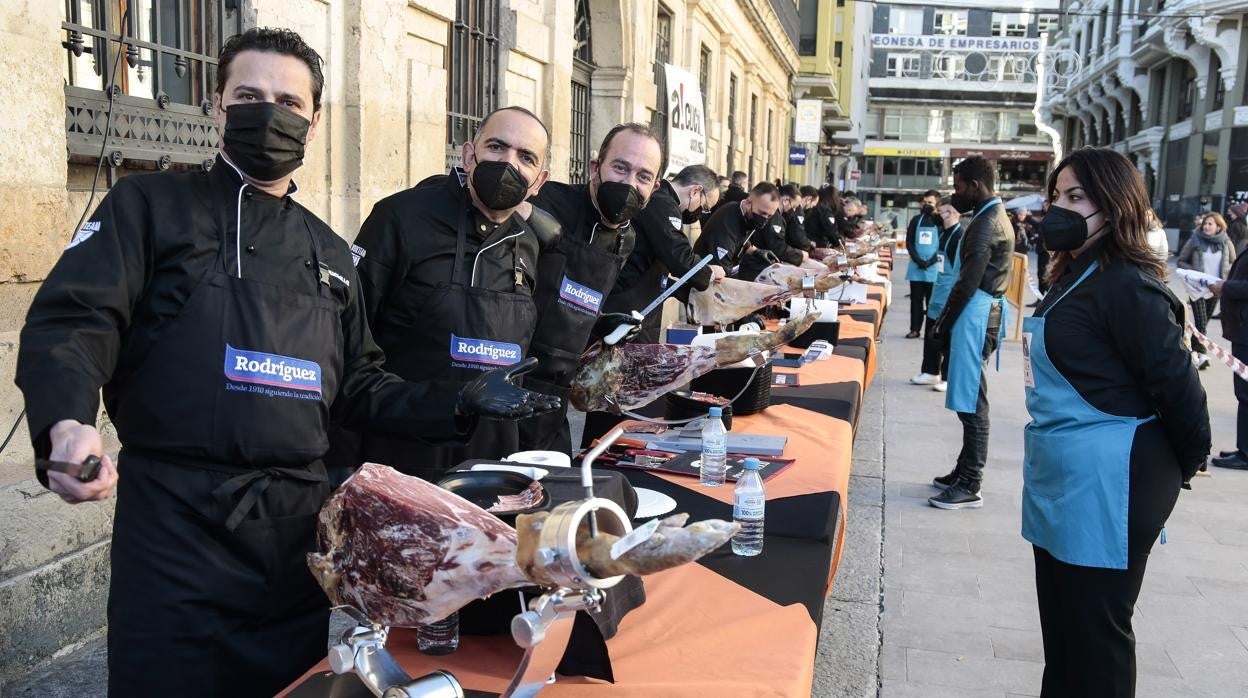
86,471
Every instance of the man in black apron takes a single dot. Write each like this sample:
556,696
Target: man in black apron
225,324
662,248
448,269
730,232
793,208
574,280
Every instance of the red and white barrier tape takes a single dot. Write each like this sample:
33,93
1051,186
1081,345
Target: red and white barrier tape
1231,362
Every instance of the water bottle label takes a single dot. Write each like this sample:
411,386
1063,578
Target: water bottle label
714,450
749,506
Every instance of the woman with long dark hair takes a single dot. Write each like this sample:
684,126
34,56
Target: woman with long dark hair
1119,421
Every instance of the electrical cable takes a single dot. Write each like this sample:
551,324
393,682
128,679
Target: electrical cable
95,180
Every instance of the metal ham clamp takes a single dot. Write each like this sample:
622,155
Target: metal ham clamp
618,333
544,630
362,650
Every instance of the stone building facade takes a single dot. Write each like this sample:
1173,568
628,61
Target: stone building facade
405,83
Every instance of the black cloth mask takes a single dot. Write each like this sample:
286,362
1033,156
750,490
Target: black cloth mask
499,185
1064,230
691,217
618,202
758,220
961,203
264,140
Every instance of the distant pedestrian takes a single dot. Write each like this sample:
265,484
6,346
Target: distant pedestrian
1119,422
1156,237
935,368
923,246
1211,251
1237,226
1234,295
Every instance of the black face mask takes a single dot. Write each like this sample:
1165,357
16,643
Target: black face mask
927,210
1064,230
618,202
691,217
758,220
499,185
961,203
264,140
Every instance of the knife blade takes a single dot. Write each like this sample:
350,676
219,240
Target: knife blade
618,333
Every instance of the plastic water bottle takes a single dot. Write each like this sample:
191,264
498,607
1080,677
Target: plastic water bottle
749,500
438,638
714,450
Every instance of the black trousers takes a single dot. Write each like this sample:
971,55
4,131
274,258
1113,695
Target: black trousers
974,453
1202,310
935,354
1240,351
920,294
1085,612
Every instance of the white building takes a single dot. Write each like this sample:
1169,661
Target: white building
947,81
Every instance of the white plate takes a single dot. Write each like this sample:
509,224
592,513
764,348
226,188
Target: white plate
651,503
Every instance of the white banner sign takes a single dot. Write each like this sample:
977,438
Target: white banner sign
686,120
807,121
955,43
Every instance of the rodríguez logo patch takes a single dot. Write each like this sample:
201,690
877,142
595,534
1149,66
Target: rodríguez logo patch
582,297
484,351
274,370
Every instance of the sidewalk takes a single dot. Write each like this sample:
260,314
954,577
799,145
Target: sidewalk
959,606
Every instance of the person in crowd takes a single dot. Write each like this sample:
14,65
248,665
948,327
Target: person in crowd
1234,295
597,239
1156,237
793,209
935,367
454,258
1211,251
970,325
850,223
810,199
1022,244
724,183
225,324
821,221
730,232
662,248
1037,245
1237,226
923,244
1119,422
736,189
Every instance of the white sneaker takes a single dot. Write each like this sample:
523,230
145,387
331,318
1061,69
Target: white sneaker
925,379
941,387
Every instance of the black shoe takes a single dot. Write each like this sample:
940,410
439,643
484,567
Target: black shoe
1235,461
912,334
959,495
1227,454
944,481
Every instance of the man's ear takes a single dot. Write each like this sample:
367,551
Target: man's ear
537,185
316,121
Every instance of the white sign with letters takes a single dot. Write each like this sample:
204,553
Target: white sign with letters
941,42
686,120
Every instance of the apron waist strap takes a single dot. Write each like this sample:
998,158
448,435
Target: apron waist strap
254,483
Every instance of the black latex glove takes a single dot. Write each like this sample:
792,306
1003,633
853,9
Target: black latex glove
769,256
607,324
939,335
494,394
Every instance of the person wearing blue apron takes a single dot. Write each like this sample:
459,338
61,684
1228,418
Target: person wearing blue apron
923,245
224,323
935,366
970,325
1119,422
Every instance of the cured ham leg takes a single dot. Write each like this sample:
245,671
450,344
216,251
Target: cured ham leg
625,377
406,552
728,300
791,277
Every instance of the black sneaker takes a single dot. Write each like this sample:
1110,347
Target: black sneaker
943,481
959,495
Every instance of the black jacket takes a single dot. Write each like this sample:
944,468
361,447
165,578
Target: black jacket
406,248
1235,302
726,236
578,218
141,255
795,230
821,226
987,246
661,248
1118,339
732,195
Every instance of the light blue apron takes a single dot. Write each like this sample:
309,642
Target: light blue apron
946,267
966,345
1076,463
925,250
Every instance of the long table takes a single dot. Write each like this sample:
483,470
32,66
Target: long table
726,625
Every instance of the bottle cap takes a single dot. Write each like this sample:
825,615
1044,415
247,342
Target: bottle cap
752,464
717,411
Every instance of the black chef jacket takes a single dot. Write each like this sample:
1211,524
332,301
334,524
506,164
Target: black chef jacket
821,227
725,236
1117,339
99,314
661,248
773,237
795,230
572,208
406,247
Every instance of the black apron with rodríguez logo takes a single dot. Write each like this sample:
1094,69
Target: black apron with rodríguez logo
572,285
463,331
223,415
